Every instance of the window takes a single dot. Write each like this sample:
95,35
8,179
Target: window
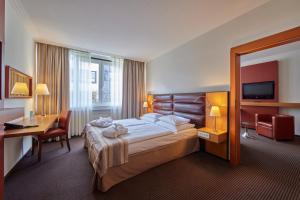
101,82
94,77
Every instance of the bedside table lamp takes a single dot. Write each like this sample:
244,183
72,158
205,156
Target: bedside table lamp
215,112
20,89
145,106
42,90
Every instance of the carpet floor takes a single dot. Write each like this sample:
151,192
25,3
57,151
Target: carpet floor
268,170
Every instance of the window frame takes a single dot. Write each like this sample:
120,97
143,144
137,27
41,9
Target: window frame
100,105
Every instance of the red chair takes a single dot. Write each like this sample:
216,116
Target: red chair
61,131
278,127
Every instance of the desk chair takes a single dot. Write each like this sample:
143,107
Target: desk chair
61,131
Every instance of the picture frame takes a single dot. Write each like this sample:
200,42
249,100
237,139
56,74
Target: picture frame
12,76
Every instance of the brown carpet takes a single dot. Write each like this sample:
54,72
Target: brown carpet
269,170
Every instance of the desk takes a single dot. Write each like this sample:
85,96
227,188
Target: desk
44,123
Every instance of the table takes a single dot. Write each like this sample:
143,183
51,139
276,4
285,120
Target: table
247,125
43,122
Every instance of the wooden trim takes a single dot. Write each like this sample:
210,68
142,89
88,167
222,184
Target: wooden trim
234,118
268,42
275,40
270,104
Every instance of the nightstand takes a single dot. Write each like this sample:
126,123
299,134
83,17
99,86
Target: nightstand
213,142
212,136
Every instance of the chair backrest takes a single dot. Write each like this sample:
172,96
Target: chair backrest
64,120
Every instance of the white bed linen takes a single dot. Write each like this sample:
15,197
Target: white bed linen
131,122
148,145
143,135
145,132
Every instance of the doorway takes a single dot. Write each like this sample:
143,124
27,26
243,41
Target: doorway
279,39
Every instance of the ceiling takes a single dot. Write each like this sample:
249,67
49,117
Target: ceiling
137,29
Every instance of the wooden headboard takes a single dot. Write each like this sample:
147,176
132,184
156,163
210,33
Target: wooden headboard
187,105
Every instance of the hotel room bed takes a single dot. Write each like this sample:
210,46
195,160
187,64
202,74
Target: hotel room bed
146,154
152,145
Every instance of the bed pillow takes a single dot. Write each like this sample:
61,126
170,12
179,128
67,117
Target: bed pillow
152,115
149,119
175,128
174,120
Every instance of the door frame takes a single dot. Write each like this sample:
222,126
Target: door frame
275,40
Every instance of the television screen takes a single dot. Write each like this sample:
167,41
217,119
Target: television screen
259,90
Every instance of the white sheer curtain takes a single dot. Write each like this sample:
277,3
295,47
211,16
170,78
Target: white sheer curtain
116,87
80,91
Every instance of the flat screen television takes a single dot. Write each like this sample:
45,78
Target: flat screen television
258,90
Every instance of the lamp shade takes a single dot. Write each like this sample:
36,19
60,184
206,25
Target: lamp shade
145,105
42,89
215,111
20,89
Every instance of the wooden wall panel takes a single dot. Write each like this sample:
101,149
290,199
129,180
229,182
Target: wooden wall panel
2,26
217,99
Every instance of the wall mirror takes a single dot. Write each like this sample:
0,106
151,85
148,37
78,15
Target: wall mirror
17,84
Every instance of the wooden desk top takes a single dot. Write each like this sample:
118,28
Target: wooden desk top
270,104
44,123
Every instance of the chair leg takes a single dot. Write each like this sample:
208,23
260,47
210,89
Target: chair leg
68,143
32,146
61,141
40,142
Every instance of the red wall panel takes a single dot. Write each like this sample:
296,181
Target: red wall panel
259,73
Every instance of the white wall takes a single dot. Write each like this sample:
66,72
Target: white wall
289,72
19,53
204,61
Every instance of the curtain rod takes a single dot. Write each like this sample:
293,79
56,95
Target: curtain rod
87,51
101,59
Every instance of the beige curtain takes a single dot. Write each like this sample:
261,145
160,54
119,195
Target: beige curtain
52,68
133,88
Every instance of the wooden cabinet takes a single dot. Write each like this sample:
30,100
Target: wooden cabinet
215,142
212,136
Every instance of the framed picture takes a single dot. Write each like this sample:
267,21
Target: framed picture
17,84
94,77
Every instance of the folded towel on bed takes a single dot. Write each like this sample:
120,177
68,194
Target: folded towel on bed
102,122
114,131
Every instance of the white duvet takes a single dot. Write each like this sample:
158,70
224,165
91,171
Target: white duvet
131,122
143,132
140,130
